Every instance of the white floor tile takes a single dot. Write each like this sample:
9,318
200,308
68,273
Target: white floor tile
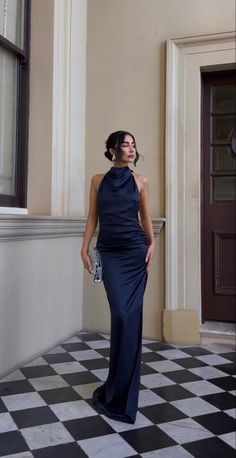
98,344
145,349
169,452
13,376
155,380
207,372
73,409
56,350
201,387
23,401
73,339
37,362
85,354
119,426
7,423
165,366
219,348
46,435
106,336
86,391
48,383
213,360
101,373
70,367
111,445
229,438
231,412
194,406
185,430
173,354
148,398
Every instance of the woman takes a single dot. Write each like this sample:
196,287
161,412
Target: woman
126,249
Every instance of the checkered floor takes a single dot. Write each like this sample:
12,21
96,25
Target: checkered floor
186,404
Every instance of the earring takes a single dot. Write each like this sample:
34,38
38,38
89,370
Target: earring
113,158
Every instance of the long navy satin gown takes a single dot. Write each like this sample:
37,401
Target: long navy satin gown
123,245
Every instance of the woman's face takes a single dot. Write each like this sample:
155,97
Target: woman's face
128,149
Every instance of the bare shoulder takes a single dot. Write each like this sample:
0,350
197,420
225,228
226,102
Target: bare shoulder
141,181
96,179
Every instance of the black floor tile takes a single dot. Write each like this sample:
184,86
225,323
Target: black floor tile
196,351
162,413
158,346
218,422
75,346
90,337
16,387
147,439
222,401
58,358
173,393
84,428
230,355
210,448
145,370
104,352
226,383
12,442
56,396
33,417
92,364
80,378
229,368
71,450
182,376
38,371
2,407
152,356
190,363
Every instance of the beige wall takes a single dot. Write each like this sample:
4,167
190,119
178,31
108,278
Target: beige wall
41,101
126,90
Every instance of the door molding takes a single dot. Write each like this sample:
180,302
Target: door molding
186,58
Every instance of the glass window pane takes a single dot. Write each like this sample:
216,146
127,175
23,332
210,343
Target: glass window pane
8,87
223,159
224,189
223,127
12,21
224,98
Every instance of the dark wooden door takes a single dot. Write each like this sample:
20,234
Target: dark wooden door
218,200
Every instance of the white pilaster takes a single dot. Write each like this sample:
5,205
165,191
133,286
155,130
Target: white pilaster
69,87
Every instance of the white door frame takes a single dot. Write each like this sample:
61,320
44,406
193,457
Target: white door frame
186,58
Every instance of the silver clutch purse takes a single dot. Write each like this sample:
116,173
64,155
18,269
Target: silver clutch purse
96,264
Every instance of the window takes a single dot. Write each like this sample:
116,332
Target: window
14,101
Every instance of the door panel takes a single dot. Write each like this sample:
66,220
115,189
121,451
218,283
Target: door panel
218,200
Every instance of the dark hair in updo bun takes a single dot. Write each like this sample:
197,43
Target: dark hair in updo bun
115,141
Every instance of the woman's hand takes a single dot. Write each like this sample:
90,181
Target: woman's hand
86,261
149,255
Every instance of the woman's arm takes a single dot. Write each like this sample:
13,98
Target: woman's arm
91,222
146,220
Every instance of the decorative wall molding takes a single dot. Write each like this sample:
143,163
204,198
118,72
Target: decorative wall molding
27,228
158,225
186,58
